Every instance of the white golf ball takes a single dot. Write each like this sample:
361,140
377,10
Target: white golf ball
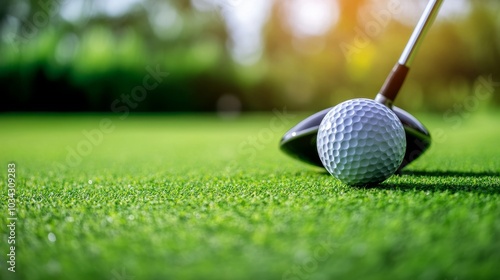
361,142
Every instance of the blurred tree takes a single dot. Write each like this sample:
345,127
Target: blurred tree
88,54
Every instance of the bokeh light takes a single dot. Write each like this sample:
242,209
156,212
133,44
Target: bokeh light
304,54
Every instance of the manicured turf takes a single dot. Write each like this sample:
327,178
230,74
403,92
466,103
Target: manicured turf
197,197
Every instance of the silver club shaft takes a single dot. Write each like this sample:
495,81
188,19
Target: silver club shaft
420,31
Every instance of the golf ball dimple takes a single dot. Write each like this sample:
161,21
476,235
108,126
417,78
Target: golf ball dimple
369,142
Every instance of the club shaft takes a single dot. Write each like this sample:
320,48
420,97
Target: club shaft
420,31
396,78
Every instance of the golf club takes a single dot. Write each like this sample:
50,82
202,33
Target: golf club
300,141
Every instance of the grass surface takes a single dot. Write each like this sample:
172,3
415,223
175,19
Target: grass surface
196,197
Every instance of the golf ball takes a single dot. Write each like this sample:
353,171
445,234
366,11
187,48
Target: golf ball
361,142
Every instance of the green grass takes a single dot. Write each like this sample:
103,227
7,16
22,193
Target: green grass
196,197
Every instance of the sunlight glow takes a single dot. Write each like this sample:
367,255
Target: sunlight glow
164,20
116,8
245,20
311,17
72,10
76,10
411,10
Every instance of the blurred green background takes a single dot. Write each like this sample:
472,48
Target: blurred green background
240,55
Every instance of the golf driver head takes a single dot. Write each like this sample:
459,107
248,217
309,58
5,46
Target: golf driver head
300,141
